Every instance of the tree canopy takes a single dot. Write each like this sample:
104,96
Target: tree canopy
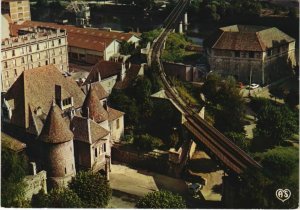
13,168
92,189
274,125
161,200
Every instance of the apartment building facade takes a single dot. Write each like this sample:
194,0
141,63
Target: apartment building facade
33,47
18,10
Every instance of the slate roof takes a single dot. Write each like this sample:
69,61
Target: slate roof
92,108
55,129
37,88
247,38
86,130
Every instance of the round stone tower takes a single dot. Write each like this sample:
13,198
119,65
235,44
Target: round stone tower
58,149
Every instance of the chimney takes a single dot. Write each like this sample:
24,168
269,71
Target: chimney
123,72
105,105
88,112
32,168
99,76
87,88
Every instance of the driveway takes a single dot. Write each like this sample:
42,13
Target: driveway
130,184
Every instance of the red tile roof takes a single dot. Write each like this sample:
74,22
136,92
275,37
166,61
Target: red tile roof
86,130
55,129
247,38
37,88
92,107
87,38
114,114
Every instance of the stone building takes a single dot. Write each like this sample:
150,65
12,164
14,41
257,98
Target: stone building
18,10
87,45
69,129
184,72
253,53
33,47
58,148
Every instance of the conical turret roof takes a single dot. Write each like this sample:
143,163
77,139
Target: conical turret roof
92,107
55,129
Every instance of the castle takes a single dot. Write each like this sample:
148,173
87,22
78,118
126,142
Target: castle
66,129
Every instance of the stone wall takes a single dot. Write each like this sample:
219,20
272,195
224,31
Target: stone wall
170,162
34,183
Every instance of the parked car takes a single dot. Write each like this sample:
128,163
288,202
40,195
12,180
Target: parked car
254,86
194,188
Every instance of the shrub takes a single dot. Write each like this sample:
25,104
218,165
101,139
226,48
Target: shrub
162,200
146,142
93,189
57,198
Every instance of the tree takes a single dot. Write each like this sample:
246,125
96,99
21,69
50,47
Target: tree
146,142
292,13
57,198
14,168
162,200
120,101
230,114
292,98
42,3
239,139
92,189
127,48
210,87
275,124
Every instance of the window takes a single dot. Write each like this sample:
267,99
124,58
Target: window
251,54
46,62
243,54
118,123
96,154
38,47
59,41
22,60
53,61
30,50
67,101
31,58
13,53
65,170
52,43
104,148
16,72
39,64
237,54
269,52
19,2
20,8
5,64
6,74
